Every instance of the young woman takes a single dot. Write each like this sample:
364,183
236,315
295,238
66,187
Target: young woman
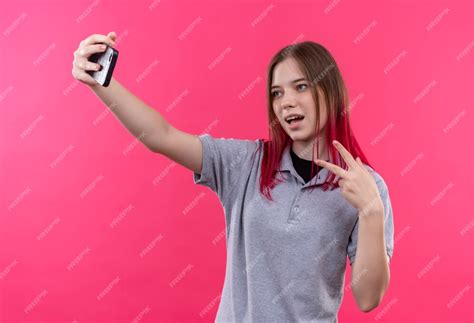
296,205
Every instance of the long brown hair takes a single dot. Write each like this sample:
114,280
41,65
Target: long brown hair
320,68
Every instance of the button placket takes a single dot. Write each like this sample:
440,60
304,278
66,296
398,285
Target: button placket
295,210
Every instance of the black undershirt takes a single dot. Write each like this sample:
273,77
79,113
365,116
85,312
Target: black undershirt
303,166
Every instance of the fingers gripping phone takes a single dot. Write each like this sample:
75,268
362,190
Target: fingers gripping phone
107,61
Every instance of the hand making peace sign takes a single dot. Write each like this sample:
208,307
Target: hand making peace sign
357,184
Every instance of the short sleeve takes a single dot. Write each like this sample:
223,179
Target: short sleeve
223,162
388,220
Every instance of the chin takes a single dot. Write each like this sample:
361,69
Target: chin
299,136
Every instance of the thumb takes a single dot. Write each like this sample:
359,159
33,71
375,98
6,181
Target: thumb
112,35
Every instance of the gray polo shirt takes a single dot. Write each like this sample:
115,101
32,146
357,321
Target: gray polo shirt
286,259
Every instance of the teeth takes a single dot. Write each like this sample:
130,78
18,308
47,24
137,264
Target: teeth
293,117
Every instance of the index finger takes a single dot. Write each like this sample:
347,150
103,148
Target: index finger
346,155
97,38
331,167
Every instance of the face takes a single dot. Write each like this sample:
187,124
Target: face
291,94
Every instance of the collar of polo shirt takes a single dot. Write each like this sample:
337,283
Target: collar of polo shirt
287,165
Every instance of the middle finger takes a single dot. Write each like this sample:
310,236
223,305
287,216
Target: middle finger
88,66
345,154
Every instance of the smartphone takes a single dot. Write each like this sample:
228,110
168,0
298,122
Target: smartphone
107,61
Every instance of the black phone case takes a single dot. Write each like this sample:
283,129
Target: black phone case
107,60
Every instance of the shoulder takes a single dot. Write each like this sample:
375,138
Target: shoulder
228,141
229,146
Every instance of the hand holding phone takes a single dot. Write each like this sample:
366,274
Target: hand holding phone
107,61
95,59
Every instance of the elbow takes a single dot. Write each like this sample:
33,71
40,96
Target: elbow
152,149
369,298
367,306
368,302
152,145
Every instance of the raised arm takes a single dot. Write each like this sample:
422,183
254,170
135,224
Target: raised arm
141,120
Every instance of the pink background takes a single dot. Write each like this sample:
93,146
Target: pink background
94,227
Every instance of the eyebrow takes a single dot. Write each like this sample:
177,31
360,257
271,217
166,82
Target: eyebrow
294,81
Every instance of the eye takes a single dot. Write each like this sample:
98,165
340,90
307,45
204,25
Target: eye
274,92
301,85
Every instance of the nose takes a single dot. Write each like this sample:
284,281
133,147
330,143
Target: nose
288,101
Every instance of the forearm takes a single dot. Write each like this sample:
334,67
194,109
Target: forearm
370,272
141,120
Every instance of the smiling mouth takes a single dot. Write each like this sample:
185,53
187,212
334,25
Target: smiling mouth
294,120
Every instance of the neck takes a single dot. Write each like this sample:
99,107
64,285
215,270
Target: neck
304,149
